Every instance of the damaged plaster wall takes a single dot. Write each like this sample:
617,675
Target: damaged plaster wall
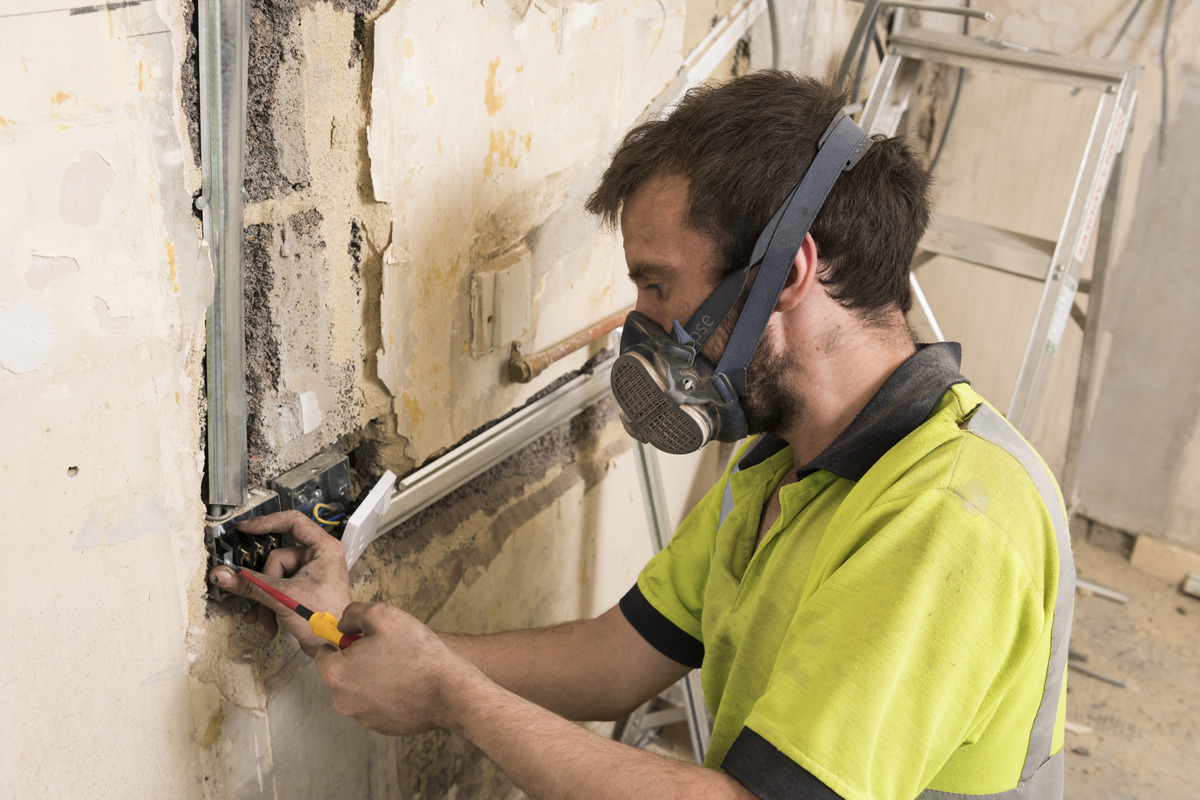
397,167
131,670
105,283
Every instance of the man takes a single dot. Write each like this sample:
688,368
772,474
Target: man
877,592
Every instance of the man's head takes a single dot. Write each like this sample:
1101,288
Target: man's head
741,147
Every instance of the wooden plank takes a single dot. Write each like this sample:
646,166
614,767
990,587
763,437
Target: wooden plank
1164,558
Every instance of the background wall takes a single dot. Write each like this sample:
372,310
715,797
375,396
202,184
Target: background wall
392,153
395,151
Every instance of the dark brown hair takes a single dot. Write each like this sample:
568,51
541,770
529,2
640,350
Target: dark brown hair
744,145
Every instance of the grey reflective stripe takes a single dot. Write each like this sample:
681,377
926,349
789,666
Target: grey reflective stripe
727,500
1037,776
1046,784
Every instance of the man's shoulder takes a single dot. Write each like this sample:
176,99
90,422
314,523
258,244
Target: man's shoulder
994,467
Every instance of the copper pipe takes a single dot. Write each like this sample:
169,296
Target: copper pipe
523,369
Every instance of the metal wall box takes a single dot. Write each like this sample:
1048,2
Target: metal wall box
324,478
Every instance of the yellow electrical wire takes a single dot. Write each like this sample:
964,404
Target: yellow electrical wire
317,514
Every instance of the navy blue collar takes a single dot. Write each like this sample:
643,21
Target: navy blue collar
902,404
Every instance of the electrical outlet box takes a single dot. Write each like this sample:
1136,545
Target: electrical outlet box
229,548
501,301
324,478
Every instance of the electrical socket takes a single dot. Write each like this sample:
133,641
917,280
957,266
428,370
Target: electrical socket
324,478
227,547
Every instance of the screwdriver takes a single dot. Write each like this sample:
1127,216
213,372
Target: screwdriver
323,623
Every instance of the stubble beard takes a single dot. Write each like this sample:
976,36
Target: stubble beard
770,406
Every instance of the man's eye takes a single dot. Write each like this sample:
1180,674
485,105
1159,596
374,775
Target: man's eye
653,287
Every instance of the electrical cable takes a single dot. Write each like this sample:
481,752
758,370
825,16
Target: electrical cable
1124,27
773,24
316,514
937,154
1162,60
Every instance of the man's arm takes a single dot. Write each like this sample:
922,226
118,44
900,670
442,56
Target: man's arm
591,669
596,669
544,754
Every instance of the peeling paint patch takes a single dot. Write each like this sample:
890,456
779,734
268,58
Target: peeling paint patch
415,415
84,187
501,151
108,323
212,734
171,264
26,335
310,412
493,99
49,268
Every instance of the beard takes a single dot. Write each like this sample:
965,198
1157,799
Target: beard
770,405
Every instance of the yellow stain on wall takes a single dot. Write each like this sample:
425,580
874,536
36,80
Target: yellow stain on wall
59,98
415,415
4,122
141,84
213,733
527,140
501,151
171,263
429,99
408,48
491,97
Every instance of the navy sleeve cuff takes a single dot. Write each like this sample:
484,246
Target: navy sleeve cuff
755,763
665,636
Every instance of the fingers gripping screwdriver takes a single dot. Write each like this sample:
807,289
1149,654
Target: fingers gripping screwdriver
323,624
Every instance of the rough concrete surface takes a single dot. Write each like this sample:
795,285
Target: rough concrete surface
1144,736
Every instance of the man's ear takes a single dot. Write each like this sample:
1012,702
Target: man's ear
802,277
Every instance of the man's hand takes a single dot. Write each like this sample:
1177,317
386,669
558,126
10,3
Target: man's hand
312,573
399,677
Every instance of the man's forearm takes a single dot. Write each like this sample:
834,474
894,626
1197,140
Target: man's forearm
549,757
587,670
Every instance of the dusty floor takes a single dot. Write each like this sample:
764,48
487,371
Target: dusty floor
1145,738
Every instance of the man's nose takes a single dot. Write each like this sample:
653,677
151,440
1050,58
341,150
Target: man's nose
653,313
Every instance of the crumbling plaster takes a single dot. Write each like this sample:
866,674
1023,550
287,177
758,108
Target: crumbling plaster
450,134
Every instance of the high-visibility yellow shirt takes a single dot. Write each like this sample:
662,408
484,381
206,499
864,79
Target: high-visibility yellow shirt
891,635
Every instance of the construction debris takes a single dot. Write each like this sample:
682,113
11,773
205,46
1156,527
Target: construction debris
1164,558
1101,591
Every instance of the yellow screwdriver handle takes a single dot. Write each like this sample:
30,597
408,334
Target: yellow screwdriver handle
325,625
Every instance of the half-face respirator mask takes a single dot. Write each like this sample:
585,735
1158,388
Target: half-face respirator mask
673,398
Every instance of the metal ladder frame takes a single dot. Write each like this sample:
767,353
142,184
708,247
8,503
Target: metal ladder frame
685,699
1090,212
